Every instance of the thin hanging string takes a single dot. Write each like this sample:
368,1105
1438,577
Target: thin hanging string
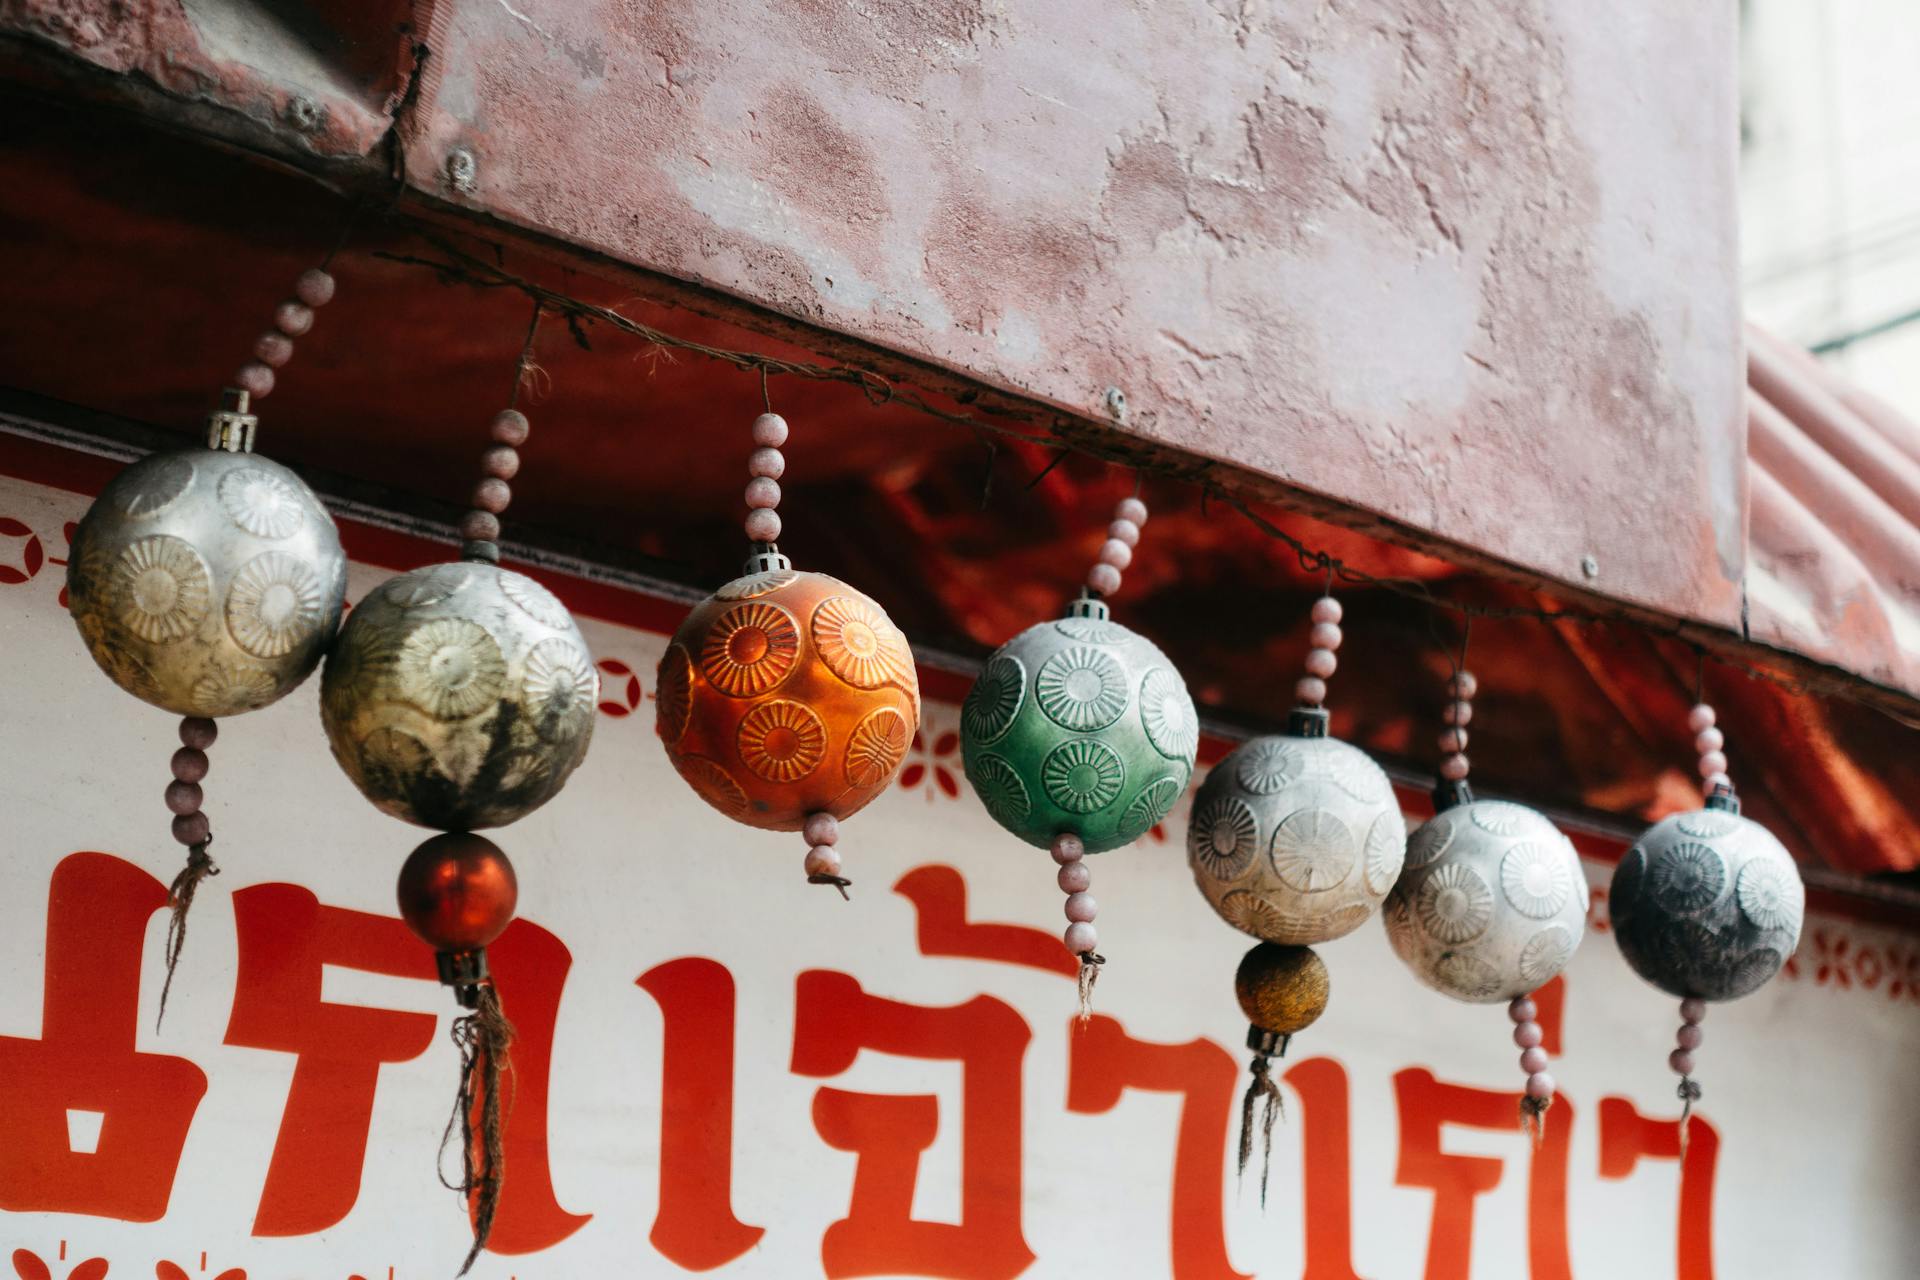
1090,962
524,368
340,237
1262,1088
1688,1093
456,265
485,1038
766,396
180,893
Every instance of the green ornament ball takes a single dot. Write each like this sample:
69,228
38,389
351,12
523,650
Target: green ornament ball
1079,725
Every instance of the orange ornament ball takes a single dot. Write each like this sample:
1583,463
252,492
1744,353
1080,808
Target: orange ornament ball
786,694
457,892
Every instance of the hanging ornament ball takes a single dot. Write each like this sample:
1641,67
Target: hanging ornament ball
785,694
1282,989
1491,904
1079,726
458,892
1707,904
459,696
1296,839
207,582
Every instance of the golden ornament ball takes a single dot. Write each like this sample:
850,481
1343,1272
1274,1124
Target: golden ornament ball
1281,989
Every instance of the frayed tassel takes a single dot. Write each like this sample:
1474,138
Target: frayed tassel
838,882
1688,1093
1261,1089
1090,963
180,893
484,1037
1533,1118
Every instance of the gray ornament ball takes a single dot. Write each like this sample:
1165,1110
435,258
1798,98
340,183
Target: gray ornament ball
1707,904
459,696
1491,904
1296,839
207,582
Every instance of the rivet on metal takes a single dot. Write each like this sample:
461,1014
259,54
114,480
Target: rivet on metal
1590,566
304,114
1117,404
462,169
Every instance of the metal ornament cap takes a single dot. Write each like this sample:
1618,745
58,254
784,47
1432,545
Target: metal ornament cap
207,582
1707,904
1079,725
1491,904
1296,840
459,696
785,694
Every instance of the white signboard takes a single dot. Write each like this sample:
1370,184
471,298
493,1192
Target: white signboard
721,1068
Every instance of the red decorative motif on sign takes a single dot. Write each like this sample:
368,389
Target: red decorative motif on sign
934,767
623,686
31,555
939,897
1626,1136
28,1266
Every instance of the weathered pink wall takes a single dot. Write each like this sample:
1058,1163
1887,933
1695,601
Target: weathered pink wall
1468,266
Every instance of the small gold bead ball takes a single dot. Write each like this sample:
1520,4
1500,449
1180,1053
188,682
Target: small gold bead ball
785,694
1281,989
459,696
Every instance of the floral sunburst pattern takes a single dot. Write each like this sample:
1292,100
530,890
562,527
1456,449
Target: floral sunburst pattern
876,747
262,503
1454,904
1467,976
994,700
450,667
1688,877
715,785
999,787
1083,775
226,691
1429,842
1167,712
1145,810
757,584
152,485
160,588
1266,766
539,603
858,642
1770,895
750,649
275,604
1223,838
1313,850
562,686
1535,879
782,741
1081,689
1386,851
431,585
673,702
1545,954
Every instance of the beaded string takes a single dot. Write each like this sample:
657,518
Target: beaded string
1076,878
1530,1037
231,428
1322,661
499,463
1709,743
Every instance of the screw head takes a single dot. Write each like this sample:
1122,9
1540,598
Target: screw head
304,114
1589,566
462,169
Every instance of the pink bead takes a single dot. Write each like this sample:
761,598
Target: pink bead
1325,635
509,426
273,348
255,378
1131,509
1322,663
1104,578
1713,762
1709,740
198,732
1689,1036
293,318
1116,553
189,764
1327,609
1455,768
763,525
480,526
1540,1086
1458,713
183,797
1681,1062
1528,1035
1533,1060
314,287
1693,1011
763,492
492,495
768,462
1075,878
502,461
1310,691
823,860
1523,1010
1713,780
1453,740
192,828
1701,718
1081,907
1068,847
1124,531
1463,686
821,828
1080,938
770,430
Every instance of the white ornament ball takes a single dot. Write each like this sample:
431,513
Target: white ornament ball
1296,840
1707,904
1491,904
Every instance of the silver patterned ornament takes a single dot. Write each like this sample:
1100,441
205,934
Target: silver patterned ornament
1491,903
207,582
1707,904
1296,838
459,696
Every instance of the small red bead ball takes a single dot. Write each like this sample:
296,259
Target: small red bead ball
509,426
314,287
457,892
480,526
189,764
198,732
492,495
273,348
192,828
256,379
293,318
